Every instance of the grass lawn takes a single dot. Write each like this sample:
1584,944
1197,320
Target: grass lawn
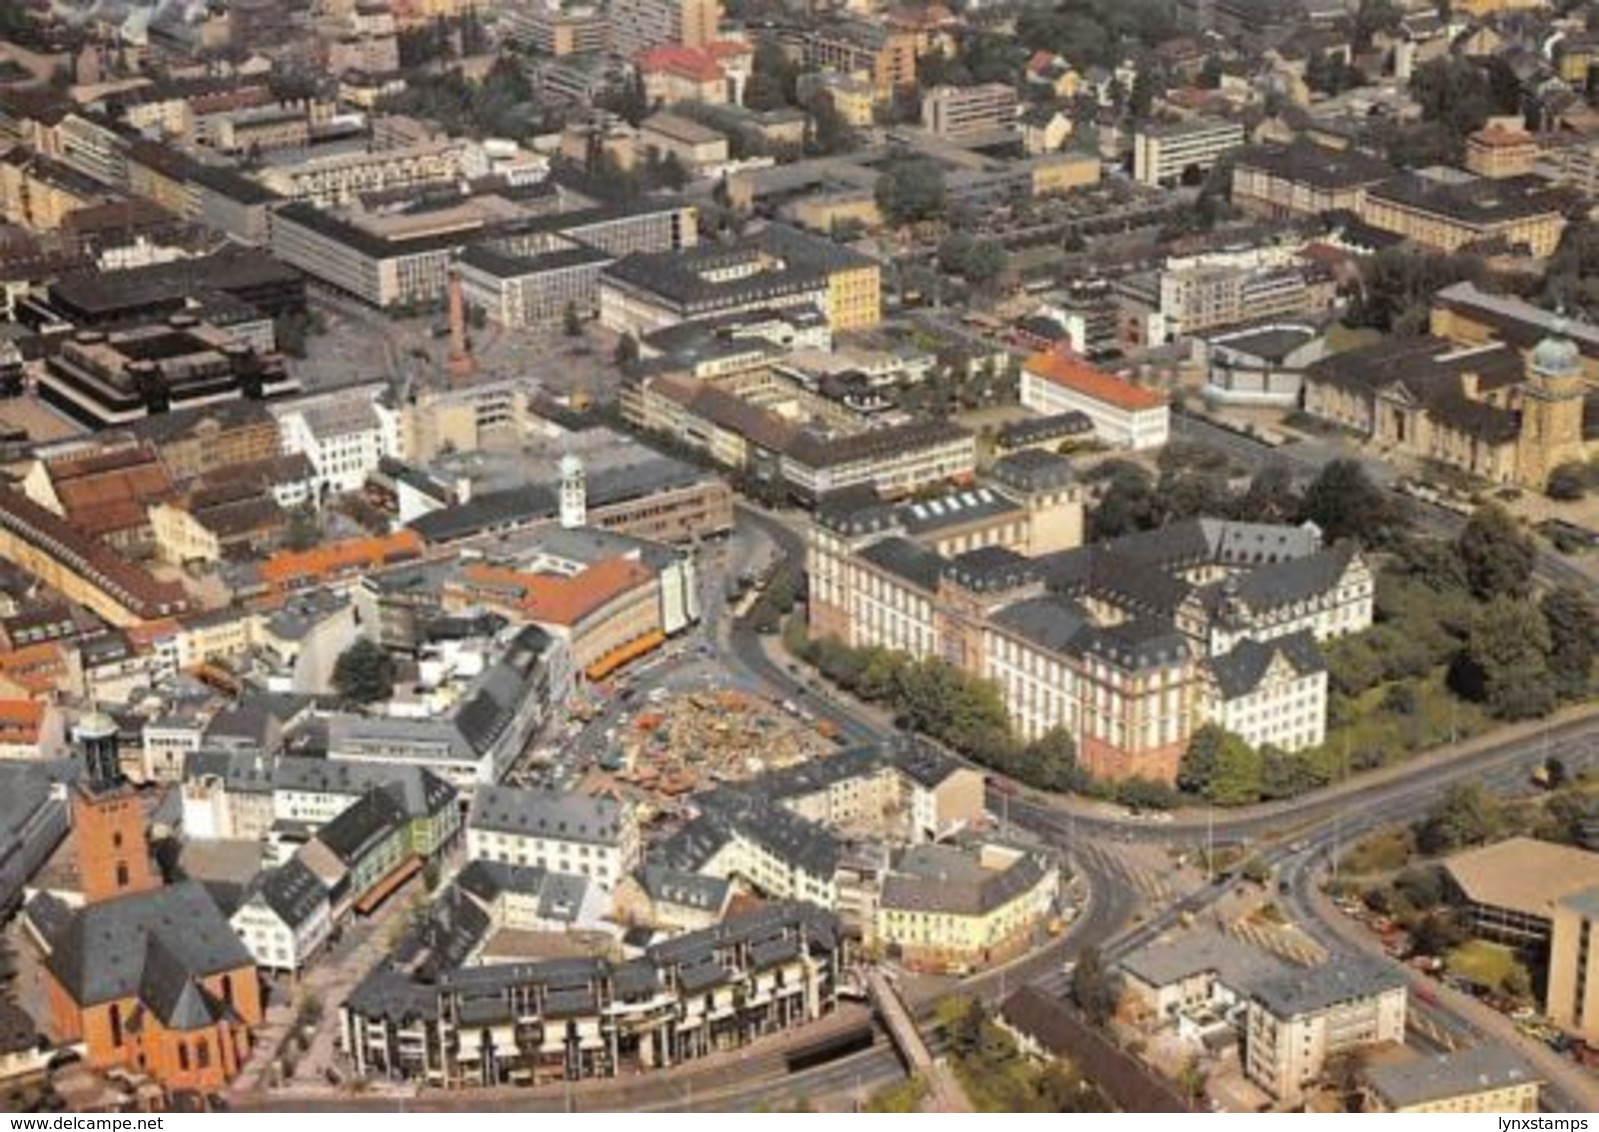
1384,852
1383,735
1482,963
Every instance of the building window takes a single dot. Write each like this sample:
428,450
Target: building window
183,1056
122,874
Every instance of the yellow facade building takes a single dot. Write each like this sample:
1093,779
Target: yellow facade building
944,908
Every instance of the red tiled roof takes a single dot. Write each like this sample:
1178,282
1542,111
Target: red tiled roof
340,557
1069,373
557,600
680,60
21,713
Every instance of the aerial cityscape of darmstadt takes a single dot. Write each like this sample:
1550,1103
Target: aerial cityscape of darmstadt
775,556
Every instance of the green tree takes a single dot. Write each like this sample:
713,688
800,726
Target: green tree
1198,766
572,322
1270,497
627,350
1505,662
1127,501
1237,777
830,133
1052,758
364,672
1146,85
1572,624
1344,502
1462,94
1093,987
773,77
1497,555
1397,285
911,189
1210,74
303,530
1464,816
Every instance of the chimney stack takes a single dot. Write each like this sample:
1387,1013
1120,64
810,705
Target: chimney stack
460,366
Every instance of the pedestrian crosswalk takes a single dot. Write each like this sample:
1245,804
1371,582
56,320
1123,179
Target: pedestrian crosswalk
1283,941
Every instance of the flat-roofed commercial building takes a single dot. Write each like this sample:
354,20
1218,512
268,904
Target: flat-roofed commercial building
969,111
536,290
1166,153
1511,889
337,179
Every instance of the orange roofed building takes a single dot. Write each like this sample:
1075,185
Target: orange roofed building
1124,414
609,613
715,73
297,569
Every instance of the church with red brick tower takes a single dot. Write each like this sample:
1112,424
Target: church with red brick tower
150,977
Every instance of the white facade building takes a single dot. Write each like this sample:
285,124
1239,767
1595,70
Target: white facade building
342,435
1124,414
575,834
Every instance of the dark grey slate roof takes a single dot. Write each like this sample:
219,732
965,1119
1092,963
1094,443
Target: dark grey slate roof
1283,583
101,953
170,991
685,889
1239,672
905,559
362,825
552,814
292,891
1343,978
946,879
1420,1080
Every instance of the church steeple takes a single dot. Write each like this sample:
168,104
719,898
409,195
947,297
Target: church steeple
107,817
1551,407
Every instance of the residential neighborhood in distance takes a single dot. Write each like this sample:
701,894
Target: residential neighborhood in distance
751,556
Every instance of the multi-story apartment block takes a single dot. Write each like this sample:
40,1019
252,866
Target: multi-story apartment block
338,179
1497,151
1200,298
389,267
882,55
1166,153
944,908
534,290
779,268
569,833
1300,1020
284,917
698,993
638,25
963,112
552,27
340,434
